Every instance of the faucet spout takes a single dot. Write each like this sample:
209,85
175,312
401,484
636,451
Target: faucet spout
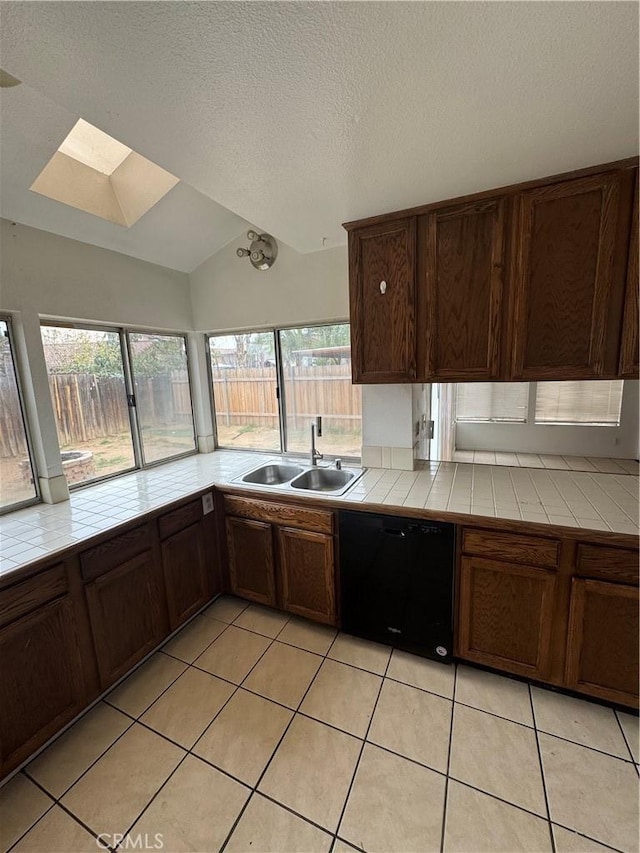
314,454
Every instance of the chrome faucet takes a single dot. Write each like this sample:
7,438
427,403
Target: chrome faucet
316,430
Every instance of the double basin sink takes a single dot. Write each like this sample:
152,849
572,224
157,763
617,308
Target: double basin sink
285,476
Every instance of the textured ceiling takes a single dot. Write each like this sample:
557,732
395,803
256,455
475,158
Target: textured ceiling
298,116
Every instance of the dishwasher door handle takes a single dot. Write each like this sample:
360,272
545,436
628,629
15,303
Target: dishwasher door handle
392,531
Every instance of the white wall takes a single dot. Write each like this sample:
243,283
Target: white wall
616,442
57,277
45,275
227,293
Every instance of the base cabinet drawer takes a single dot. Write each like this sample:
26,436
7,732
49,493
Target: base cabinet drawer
127,614
506,616
602,642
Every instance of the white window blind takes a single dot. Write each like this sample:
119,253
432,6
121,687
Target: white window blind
492,401
596,403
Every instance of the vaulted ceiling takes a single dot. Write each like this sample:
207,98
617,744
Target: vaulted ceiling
299,116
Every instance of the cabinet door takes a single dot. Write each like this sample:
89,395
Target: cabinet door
185,573
602,643
307,574
126,609
506,616
382,270
41,679
629,368
565,279
461,262
251,560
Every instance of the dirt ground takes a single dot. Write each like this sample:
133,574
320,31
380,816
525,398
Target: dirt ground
110,454
263,438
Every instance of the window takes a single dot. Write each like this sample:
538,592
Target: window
17,478
316,366
100,434
162,395
89,396
312,368
587,402
502,402
245,382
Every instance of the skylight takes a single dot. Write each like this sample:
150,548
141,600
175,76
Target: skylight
95,173
94,148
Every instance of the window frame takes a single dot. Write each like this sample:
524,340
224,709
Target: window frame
280,393
530,419
136,438
598,424
184,335
17,370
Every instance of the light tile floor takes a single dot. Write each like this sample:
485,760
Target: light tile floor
253,731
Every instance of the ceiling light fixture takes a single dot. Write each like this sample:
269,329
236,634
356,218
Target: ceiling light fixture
262,252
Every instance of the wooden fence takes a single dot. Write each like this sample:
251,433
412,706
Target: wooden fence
248,395
90,407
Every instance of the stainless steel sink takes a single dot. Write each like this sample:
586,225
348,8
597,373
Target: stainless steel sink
322,480
286,477
272,475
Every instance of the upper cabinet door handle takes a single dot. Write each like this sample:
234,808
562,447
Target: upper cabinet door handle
383,287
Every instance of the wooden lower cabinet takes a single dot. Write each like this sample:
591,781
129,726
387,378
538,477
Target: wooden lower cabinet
282,555
186,577
41,679
306,563
251,560
506,615
602,641
43,674
127,614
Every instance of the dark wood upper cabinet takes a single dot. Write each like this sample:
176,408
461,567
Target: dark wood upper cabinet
382,261
460,291
629,367
566,281
602,644
521,283
251,560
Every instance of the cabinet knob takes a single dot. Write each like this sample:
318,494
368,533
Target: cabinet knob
383,287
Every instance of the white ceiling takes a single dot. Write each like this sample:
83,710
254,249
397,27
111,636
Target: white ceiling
299,116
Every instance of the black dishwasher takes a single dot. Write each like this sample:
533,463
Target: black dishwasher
396,578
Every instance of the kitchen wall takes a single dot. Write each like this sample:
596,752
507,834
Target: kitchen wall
227,293
44,275
56,277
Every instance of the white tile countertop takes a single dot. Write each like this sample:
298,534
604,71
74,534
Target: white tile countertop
573,499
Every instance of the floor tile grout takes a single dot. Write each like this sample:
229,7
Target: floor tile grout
624,736
446,783
297,712
364,743
273,753
542,774
189,752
